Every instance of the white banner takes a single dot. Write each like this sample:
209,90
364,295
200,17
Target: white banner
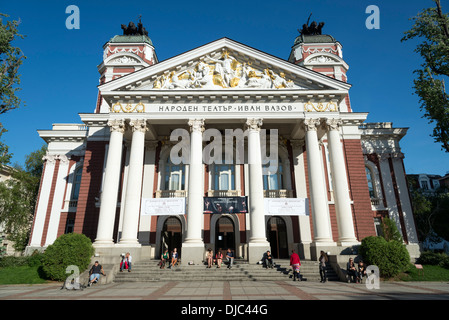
286,206
163,206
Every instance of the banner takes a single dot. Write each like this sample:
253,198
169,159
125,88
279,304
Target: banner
286,206
225,205
163,206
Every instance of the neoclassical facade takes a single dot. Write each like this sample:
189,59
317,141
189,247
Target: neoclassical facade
223,146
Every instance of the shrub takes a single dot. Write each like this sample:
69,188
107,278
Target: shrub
434,259
68,249
391,256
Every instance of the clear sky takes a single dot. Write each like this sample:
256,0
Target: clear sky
60,77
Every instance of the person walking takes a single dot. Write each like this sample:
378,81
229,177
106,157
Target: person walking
295,263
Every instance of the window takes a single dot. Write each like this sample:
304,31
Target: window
378,226
76,183
70,224
424,185
224,177
274,181
174,176
369,177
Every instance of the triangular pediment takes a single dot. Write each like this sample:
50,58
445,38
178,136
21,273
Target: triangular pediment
224,65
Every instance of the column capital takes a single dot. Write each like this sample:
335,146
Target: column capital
312,124
297,143
62,158
334,124
138,125
254,124
49,158
117,125
196,125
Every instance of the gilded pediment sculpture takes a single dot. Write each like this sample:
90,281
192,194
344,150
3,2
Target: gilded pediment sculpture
225,72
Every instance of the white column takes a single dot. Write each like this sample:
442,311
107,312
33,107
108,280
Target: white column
193,246
257,243
340,182
58,200
41,210
320,208
110,186
404,197
134,184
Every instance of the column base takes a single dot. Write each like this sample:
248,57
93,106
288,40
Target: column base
192,253
256,250
348,243
128,244
103,244
326,246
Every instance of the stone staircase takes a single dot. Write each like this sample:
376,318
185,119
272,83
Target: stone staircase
148,270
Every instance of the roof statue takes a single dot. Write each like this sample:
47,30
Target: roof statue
132,30
313,29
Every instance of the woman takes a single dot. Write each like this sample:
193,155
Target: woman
174,257
164,258
209,257
352,270
323,259
219,257
361,271
295,263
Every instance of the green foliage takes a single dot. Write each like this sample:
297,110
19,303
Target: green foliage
431,213
18,198
34,260
434,259
11,59
390,231
391,256
68,249
432,27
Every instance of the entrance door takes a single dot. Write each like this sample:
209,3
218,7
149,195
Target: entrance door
277,236
224,234
171,235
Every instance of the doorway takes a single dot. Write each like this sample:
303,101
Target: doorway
171,235
224,234
277,236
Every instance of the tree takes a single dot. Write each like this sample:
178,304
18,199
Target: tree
11,59
18,197
432,26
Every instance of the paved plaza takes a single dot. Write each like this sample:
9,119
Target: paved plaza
231,290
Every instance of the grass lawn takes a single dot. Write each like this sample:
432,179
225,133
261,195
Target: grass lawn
20,275
431,273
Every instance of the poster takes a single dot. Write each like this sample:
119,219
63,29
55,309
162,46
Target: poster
163,206
225,205
286,206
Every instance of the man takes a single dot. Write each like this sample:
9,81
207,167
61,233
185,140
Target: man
268,260
95,273
295,263
230,258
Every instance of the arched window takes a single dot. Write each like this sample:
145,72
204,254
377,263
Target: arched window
224,177
369,177
274,181
76,183
174,176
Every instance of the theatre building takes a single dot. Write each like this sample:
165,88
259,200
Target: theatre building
223,146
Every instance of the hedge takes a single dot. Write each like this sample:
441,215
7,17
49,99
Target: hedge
68,249
391,257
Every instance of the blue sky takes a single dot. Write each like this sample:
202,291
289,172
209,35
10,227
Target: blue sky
60,77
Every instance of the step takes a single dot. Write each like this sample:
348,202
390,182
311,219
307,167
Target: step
148,270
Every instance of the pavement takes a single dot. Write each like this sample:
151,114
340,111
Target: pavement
231,290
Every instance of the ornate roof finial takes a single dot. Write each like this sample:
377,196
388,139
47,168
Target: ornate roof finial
313,29
132,30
